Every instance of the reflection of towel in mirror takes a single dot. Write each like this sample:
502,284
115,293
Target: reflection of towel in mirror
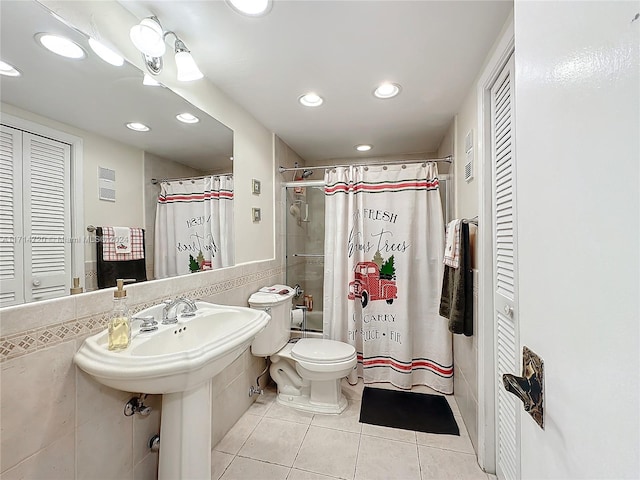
122,239
111,266
456,302
452,244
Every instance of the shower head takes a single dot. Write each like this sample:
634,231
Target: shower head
307,173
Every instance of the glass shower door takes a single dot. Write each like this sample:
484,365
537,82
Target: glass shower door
305,248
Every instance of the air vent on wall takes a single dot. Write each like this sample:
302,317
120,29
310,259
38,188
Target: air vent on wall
106,184
468,164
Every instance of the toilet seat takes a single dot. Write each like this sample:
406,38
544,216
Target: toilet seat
322,351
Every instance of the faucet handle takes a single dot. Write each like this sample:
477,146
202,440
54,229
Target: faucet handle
149,323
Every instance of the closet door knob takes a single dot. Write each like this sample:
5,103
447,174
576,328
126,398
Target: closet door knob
508,310
36,282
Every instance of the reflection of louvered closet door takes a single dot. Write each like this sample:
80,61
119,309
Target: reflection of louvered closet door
35,223
505,272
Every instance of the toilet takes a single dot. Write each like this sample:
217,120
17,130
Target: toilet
307,371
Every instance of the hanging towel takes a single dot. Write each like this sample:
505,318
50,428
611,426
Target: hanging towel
111,239
111,265
122,239
456,302
452,244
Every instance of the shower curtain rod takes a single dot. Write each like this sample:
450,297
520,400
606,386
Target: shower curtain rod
155,181
448,159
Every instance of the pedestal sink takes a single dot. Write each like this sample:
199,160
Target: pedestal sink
179,362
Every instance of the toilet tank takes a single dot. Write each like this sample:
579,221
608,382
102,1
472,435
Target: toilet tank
277,302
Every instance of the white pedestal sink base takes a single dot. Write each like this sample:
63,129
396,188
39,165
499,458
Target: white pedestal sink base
185,435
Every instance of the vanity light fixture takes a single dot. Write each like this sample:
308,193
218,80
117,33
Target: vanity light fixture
138,127
187,118
105,53
149,81
251,8
363,147
61,45
149,37
8,70
387,90
311,100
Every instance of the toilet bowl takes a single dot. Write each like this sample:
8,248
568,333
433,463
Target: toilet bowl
307,371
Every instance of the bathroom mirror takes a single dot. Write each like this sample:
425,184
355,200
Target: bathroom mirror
100,99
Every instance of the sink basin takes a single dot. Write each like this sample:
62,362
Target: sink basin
179,362
175,357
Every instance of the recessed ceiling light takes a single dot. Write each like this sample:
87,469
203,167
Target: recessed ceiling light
105,53
187,118
252,8
61,45
311,100
387,90
8,70
138,127
363,148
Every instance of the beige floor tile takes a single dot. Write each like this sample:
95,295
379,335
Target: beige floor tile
274,441
352,392
328,452
347,421
219,463
235,438
248,469
438,464
263,403
296,474
383,459
282,412
389,433
461,443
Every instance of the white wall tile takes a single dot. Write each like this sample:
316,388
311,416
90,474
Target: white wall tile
38,402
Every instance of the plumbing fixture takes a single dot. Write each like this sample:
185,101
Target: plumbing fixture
298,291
148,323
188,311
257,390
136,405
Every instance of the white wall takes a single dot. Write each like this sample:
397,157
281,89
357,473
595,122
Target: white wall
577,156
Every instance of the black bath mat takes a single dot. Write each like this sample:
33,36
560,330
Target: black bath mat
421,412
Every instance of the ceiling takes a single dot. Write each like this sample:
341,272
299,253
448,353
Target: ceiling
97,97
341,50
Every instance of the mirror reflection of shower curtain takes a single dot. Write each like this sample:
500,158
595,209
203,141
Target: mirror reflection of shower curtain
194,226
384,245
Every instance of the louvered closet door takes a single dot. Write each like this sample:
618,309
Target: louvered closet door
11,247
505,273
47,260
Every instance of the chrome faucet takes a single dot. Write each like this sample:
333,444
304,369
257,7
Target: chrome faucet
189,309
148,324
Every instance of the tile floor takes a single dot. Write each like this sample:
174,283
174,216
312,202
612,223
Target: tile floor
272,442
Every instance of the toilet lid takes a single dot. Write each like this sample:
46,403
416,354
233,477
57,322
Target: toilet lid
320,350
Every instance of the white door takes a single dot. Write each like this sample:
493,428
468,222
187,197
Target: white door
35,221
505,297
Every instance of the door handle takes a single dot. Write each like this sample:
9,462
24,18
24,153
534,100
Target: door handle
508,311
529,388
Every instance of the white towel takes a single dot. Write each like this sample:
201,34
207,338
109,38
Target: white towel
452,244
122,239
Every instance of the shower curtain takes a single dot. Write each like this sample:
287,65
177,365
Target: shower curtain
194,226
384,245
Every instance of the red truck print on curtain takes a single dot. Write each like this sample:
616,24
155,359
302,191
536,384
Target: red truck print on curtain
372,284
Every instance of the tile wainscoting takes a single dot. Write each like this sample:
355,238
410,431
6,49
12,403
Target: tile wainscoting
57,422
